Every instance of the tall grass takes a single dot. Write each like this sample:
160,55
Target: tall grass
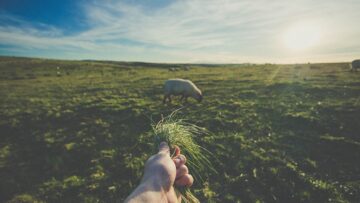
177,132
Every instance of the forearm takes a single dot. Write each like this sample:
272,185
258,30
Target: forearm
147,191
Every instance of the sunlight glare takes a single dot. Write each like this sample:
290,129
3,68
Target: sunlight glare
301,36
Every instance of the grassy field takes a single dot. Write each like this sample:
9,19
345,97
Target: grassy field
81,132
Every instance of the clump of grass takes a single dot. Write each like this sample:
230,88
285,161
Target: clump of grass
177,132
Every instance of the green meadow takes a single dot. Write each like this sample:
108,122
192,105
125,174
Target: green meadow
80,131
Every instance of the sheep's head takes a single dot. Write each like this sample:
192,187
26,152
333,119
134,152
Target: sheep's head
199,96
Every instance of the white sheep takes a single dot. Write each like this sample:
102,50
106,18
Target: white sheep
355,64
182,87
186,68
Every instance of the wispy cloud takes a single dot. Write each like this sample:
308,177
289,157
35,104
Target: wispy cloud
194,31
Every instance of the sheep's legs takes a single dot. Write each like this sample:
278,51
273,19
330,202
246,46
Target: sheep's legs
165,98
182,97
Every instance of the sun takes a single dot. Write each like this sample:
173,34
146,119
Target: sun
301,36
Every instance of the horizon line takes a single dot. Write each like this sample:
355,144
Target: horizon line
169,63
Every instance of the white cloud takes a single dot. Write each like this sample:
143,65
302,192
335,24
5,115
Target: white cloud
198,31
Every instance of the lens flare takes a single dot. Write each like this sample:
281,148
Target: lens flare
301,36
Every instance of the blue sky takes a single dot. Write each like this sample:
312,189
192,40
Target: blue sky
188,31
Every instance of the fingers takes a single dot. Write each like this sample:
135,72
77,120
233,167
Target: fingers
185,180
179,160
182,170
164,148
177,151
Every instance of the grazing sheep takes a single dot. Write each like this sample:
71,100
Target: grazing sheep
182,87
355,64
186,68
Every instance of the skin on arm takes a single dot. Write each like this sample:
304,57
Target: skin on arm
160,176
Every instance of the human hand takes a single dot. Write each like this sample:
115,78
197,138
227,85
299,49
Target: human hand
161,174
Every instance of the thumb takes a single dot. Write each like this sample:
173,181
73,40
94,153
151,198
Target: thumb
164,148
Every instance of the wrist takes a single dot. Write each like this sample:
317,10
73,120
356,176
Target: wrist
149,190
152,183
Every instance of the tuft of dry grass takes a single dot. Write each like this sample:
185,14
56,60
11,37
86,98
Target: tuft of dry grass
177,132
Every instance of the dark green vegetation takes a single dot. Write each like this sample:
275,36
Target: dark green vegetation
286,133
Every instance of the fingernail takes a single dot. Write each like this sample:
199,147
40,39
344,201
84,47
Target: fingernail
164,148
182,158
163,145
177,161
